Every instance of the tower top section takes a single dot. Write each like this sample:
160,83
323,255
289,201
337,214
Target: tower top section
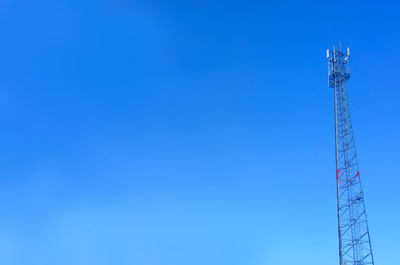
338,66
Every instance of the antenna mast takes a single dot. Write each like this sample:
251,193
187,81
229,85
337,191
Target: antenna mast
354,239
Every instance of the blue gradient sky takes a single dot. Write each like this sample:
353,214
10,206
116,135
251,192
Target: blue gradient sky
190,132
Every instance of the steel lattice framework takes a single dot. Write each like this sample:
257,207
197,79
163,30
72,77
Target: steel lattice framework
354,239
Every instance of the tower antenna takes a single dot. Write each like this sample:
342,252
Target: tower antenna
354,238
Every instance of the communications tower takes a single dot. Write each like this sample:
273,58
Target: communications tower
354,239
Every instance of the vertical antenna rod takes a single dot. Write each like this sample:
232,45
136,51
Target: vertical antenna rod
354,239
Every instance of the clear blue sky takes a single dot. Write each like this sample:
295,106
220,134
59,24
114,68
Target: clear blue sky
190,132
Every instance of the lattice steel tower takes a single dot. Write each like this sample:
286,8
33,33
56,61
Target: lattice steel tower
354,240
